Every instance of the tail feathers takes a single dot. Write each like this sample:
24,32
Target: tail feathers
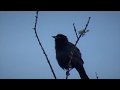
81,71
78,64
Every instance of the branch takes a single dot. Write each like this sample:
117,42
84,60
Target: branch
96,75
75,30
42,46
84,29
71,56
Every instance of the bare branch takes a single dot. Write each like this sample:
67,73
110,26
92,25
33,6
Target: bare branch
75,30
42,46
96,75
84,29
71,56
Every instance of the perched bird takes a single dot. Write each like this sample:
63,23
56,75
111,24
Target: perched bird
63,51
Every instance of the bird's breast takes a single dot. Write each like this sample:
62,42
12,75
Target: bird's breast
62,57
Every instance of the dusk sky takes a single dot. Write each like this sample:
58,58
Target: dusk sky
21,57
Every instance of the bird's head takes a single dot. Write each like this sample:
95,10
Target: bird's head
60,39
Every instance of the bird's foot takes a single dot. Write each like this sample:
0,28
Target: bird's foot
67,73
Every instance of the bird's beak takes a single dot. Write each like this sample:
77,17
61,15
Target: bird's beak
54,36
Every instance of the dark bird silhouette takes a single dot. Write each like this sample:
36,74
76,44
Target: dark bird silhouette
63,51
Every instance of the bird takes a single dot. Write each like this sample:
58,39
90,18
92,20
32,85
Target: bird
63,50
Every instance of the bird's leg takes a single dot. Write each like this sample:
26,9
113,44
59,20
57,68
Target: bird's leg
67,72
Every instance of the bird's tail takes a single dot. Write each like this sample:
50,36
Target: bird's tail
82,72
79,67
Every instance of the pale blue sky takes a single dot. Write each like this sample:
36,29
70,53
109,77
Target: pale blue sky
22,58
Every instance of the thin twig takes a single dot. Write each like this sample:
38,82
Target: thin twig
75,30
71,56
42,46
84,29
96,75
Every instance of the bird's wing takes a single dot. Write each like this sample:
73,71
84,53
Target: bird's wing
77,53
